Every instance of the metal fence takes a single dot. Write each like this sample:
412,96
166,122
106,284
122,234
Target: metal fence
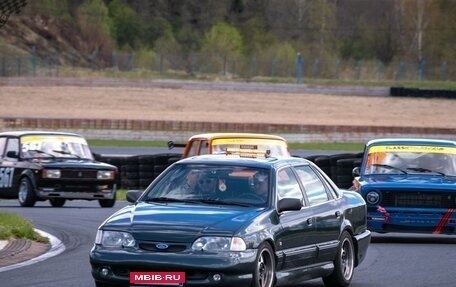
295,69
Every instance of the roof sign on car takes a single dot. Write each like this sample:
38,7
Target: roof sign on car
247,153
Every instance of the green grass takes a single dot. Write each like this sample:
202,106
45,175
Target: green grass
126,143
179,75
294,146
15,226
121,194
327,146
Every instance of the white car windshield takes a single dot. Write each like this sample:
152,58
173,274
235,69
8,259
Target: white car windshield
55,146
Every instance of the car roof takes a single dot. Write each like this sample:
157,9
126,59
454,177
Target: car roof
267,162
236,135
413,141
22,133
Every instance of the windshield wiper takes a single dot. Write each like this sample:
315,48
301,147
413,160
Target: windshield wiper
41,152
169,199
389,167
421,169
67,153
222,202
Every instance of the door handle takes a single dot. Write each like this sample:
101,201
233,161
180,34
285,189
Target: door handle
337,214
309,221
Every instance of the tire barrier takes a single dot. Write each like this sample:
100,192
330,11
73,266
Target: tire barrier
138,171
338,167
422,93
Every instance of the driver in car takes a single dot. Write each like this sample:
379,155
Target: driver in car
261,186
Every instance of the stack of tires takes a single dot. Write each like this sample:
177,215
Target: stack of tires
139,171
338,167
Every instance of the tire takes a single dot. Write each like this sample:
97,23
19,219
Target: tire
26,194
344,263
57,202
107,202
99,284
264,272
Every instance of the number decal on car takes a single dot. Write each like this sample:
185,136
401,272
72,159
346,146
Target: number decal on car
6,176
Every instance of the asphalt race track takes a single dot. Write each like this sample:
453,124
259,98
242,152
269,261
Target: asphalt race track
393,260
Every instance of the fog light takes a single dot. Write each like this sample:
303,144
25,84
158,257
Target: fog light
104,272
216,277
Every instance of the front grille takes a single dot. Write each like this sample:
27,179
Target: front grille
78,173
153,247
419,199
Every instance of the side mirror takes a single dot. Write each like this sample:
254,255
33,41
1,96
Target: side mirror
356,171
133,195
12,154
170,145
288,204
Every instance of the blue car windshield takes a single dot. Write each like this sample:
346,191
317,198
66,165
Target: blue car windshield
405,159
212,184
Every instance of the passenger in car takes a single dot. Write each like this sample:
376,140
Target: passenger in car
433,162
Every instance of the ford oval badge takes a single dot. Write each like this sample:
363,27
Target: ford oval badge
161,246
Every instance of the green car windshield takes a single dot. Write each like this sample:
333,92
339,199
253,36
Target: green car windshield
209,184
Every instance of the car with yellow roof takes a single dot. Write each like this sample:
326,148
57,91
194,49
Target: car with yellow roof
220,143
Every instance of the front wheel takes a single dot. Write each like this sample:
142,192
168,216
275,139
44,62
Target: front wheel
344,264
26,194
264,272
107,202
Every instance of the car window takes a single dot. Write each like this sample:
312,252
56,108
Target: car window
401,159
224,184
314,188
197,147
2,146
12,145
204,147
287,185
60,146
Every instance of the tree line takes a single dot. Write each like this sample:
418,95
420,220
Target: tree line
384,31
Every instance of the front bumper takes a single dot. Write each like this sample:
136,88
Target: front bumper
107,193
435,221
362,242
201,269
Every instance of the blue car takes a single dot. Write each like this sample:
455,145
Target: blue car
409,185
219,220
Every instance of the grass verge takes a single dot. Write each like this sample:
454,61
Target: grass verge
15,226
294,146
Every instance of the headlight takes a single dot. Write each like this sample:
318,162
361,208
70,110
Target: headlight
219,244
373,197
51,173
105,174
114,239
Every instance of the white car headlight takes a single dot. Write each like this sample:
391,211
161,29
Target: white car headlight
114,239
219,244
105,174
51,173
